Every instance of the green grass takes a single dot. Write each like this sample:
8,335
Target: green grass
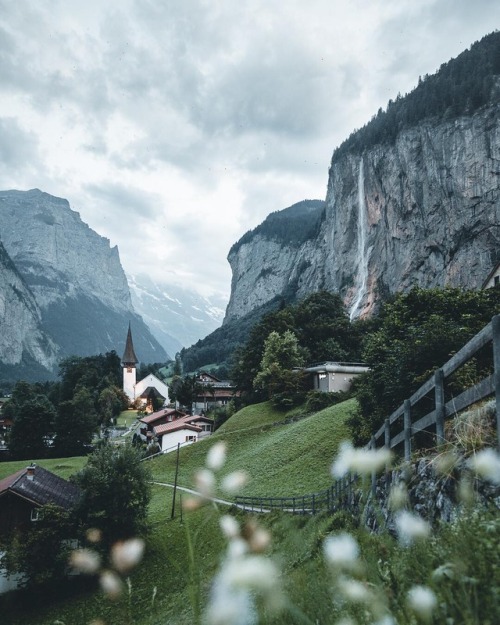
126,418
286,459
292,459
64,467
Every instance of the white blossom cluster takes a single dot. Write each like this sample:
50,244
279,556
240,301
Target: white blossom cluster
246,574
357,460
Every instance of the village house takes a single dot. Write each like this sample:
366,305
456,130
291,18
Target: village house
22,495
215,392
332,377
183,431
160,417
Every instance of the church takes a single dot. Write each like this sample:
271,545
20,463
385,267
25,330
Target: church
146,389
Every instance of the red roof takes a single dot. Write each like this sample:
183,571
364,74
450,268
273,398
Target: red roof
186,423
161,414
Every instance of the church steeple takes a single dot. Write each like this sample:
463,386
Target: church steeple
129,360
129,357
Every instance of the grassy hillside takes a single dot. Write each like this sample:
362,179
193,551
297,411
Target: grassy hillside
172,584
287,459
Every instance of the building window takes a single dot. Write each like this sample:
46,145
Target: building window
497,280
190,439
35,514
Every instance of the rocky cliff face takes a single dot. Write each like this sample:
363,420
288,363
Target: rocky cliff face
22,339
75,278
423,211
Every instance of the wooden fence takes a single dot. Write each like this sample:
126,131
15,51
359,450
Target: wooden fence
400,428
340,495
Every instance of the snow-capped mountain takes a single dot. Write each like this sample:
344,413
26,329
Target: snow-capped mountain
176,316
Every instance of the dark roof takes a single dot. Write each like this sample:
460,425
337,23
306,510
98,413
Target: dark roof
44,488
151,391
129,356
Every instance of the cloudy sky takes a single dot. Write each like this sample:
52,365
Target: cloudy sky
174,126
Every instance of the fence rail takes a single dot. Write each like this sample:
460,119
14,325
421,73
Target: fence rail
435,385
339,496
342,494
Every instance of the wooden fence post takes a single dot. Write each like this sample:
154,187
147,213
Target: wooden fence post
374,475
439,403
495,327
387,445
407,428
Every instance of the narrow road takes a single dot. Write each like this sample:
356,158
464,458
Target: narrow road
214,499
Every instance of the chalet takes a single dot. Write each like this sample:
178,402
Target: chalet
332,377
22,494
160,417
215,392
183,431
146,390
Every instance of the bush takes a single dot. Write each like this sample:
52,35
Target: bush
116,492
318,400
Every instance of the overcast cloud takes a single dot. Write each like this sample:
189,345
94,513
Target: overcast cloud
175,126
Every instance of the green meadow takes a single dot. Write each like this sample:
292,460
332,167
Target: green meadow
172,584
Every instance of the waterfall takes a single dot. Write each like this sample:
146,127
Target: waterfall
362,253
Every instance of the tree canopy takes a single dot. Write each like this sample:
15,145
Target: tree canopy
415,334
116,492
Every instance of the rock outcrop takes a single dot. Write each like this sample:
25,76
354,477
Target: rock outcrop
413,199
75,278
424,211
22,339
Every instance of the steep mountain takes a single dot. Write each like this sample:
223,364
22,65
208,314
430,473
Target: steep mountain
75,278
23,343
270,260
177,317
413,199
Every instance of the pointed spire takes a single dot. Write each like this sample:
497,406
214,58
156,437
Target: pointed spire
129,357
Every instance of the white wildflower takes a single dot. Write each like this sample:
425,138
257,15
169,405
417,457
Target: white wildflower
386,620
422,601
229,526
205,482
236,548
259,540
444,463
94,535
465,490
398,497
85,561
445,571
111,584
411,527
362,461
486,463
230,606
216,456
354,591
341,551
127,554
234,482
252,572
